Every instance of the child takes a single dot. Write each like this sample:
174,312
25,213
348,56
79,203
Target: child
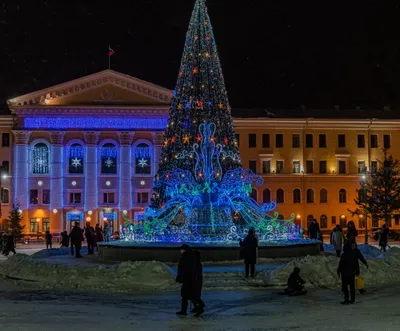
48,238
295,284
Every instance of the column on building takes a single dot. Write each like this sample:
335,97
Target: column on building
125,172
56,180
91,173
158,141
21,170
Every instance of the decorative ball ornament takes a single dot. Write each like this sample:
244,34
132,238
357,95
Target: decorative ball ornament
198,138
173,139
180,74
180,106
207,54
195,70
220,105
186,139
199,103
226,140
196,37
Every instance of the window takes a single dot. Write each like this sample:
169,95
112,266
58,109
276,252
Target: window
5,195
40,159
374,166
34,225
76,154
342,166
342,196
333,220
279,167
309,140
266,196
310,195
323,221
322,167
108,159
323,196
296,167
374,141
6,167
45,224
142,197
279,140
253,194
237,138
309,166
252,140
361,141
386,141
296,196
253,166
5,139
361,167
266,167
46,197
295,140
280,196
143,159
34,197
75,198
108,197
265,140
322,140
341,140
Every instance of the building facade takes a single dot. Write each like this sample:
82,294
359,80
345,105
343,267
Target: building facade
88,149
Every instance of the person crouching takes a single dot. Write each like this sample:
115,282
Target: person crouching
295,284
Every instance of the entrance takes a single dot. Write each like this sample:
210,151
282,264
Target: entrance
111,219
74,217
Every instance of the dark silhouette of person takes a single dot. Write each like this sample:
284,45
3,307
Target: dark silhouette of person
313,230
64,239
49,240
383,237
249,252
199,308
352,232
295,283
76,236
348,269
90,237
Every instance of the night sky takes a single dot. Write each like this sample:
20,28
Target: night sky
277,54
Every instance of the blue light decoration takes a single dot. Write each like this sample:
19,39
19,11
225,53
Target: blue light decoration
123,123
143,151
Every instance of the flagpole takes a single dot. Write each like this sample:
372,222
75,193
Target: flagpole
109,57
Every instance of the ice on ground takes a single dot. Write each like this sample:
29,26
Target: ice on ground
124,277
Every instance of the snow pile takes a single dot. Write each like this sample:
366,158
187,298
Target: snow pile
321,271
124,277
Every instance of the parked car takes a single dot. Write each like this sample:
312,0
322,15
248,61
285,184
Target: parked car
393,235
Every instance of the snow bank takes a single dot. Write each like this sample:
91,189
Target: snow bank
124,277
320,271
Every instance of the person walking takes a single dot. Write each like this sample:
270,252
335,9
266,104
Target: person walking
90,238
348,269
49,240
76,236
313,230
383,237
249,252
187,277
337,239
352,232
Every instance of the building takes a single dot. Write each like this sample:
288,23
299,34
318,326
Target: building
87,150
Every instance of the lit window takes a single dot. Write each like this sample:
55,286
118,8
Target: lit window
76,154
40,159
108,159
143,159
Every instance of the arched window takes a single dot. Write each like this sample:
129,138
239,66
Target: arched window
310,195
40,159
76,153
296,196
342,196
280,196
361,195
266,196
143,159
108,159
323,221
5,196
253,194
310,218
323,196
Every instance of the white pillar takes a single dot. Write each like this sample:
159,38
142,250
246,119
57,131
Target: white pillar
125,170
56,170
91,172
21,170
158,141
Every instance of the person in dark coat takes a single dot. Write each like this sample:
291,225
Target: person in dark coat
295,283
99,233
348,269
10,243
352,232
64,239
383,237
188,278
76,236
249,252
313,230
90,237
49,240
199,308
361,258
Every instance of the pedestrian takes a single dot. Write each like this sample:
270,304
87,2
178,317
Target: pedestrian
76,236
64,239
337,239
90,238
249,252
107,232
295,284
352,232
49,238
2,243
10,243
99,233
383,237
187,277
320,237
313,229
361,258
199,307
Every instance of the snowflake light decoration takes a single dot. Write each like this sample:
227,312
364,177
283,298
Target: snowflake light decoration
109,163
76,162
142,162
